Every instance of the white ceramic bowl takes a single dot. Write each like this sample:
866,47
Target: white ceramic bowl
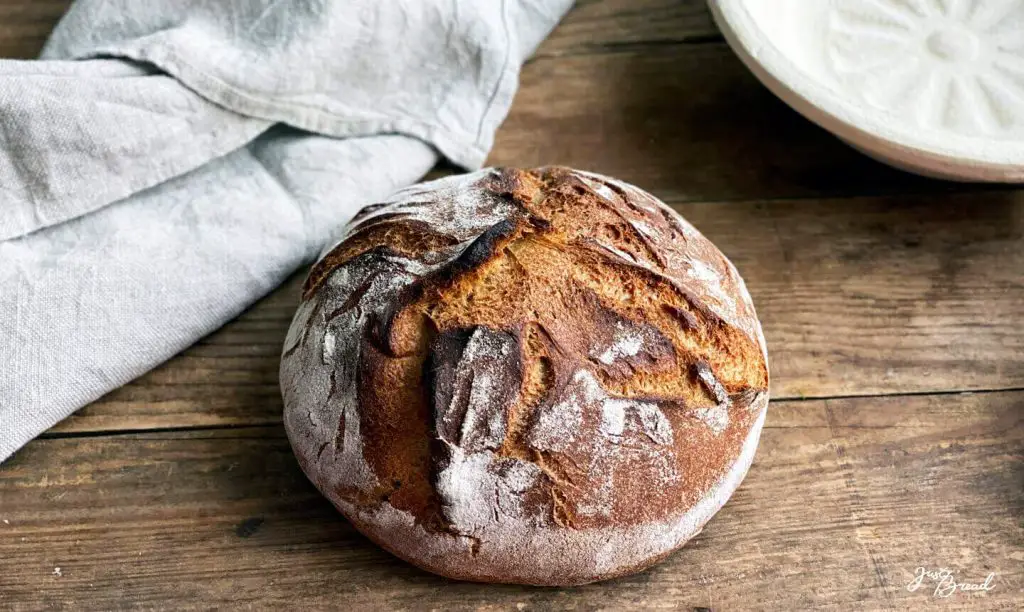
931,86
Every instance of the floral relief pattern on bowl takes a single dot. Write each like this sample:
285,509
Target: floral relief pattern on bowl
955,65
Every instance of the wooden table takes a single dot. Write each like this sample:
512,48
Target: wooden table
893,308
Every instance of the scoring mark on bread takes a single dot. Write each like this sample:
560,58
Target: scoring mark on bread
474,377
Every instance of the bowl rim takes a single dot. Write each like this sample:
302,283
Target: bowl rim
937,151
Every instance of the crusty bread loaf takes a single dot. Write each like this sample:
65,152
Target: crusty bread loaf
534,376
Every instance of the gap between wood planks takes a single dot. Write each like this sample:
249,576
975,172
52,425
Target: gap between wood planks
444,169
626,46
274,423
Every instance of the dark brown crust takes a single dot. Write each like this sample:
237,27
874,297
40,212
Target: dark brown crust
580,277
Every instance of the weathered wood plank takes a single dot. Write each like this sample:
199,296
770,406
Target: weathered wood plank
595,26
882,295
688,122
25,25
857,297
845,499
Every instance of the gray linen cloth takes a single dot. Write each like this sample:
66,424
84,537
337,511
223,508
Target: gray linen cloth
169,162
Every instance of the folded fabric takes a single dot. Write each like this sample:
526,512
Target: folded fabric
170,162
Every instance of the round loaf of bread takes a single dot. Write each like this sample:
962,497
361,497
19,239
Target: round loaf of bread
531,376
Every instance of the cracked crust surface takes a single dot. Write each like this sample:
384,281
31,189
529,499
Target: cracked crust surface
537,376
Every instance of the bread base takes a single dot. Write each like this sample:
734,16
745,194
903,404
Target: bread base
553,556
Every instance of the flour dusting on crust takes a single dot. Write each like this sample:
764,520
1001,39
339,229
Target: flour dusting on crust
481,490
537,553
716,417
626,343
585,419
548,461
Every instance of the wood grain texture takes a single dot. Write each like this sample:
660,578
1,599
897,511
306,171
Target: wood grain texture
688,122
26,24
845,499
597,26
857,297
875,296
